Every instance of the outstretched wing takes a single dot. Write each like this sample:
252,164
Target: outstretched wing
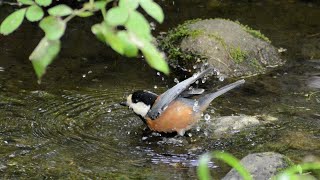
167,97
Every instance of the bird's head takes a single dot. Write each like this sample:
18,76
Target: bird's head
140,102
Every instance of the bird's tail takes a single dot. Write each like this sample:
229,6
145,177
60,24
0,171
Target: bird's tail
205,101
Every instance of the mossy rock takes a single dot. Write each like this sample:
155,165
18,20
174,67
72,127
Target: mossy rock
233,49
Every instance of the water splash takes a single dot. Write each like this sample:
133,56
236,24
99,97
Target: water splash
196,107
207,117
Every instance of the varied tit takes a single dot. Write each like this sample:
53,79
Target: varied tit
174,111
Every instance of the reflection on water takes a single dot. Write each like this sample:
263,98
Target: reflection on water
71,125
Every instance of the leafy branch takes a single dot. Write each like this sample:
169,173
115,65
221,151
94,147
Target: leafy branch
135,36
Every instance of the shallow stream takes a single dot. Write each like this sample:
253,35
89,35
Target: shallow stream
71,125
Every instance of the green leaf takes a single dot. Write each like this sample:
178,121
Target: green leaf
290,172
117,16
106,34
153,9
130,49
34,13
203,170
44,3
84,14
60,10
139,26
129,4
53,27
100,4
26,2
43,55
12,22
154,58
97,30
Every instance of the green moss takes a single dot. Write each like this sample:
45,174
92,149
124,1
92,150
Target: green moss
171,42
255,33
255,63
237,54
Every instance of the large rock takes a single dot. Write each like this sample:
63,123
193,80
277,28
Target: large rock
261,166
233,49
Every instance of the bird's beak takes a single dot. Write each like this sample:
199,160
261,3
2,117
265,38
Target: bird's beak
123,103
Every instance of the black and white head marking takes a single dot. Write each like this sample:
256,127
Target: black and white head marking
141,102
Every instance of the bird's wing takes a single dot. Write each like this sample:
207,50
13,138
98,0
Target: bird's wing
167,97
192,92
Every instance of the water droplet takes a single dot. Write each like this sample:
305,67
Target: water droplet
194,66
144,138
102,103
195,106
212,111
221,78
176,80
84,75
105,67
189,134
197,82
1,69
109,110
40,109
218,73
128,132
162,78
158,73
89,72
198,128
204,80
207,117
155,86
152,25
206,133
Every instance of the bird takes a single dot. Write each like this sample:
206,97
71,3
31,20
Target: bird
175,110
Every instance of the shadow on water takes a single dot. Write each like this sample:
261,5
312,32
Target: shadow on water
71,125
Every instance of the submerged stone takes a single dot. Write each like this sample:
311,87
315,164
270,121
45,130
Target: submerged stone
232,48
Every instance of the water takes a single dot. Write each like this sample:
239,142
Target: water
71,126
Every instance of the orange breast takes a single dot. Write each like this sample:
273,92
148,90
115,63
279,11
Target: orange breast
176,118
